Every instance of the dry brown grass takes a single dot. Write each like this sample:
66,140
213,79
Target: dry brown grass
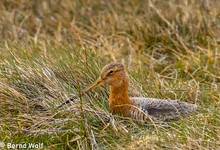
170,49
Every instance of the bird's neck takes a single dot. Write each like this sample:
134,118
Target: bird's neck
119,99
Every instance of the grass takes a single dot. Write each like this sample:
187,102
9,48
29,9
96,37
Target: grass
52,50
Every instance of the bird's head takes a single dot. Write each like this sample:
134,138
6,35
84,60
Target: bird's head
112,74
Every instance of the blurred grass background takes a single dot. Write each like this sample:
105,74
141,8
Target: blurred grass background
50,50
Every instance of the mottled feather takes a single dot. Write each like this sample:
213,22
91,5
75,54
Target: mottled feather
163,110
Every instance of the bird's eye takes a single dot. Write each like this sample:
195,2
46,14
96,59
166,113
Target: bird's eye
111,72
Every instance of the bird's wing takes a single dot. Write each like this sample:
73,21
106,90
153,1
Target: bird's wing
163,109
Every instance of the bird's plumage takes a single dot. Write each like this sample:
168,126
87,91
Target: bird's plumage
159,109
138,108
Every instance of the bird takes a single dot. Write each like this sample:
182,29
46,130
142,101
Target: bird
141,109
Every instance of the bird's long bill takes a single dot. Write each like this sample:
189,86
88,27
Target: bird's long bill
97,83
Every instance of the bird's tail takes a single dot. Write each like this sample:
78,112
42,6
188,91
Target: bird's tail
190,108
193,107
